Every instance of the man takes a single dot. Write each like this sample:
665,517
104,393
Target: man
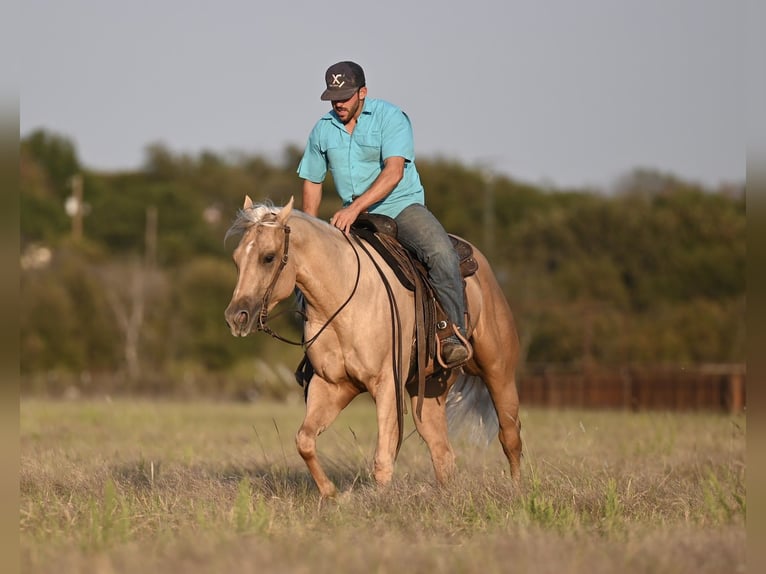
368,144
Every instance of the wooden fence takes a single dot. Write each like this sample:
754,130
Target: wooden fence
716,388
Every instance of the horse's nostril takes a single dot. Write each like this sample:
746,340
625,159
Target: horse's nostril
242,317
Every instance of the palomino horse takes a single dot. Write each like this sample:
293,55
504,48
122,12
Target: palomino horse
348,334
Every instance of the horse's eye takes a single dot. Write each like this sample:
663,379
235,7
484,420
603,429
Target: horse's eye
269,258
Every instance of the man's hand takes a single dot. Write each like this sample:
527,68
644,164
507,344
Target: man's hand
344,218
387,180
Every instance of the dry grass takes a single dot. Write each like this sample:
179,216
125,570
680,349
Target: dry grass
198,487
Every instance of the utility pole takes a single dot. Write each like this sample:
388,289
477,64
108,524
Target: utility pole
74,206
489,214
151,237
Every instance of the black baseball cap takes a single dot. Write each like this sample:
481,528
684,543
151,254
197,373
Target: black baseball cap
342,79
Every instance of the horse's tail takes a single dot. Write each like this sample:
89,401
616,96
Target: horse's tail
470,410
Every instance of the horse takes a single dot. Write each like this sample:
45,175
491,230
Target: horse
348,335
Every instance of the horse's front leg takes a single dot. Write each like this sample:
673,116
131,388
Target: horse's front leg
323,403
388,431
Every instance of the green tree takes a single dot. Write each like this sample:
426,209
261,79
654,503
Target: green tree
66,322
56,154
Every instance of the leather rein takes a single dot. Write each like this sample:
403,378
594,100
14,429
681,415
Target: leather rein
263,315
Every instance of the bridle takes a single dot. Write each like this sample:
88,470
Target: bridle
263,315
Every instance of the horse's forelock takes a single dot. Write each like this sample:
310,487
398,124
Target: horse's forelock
263,213
258,214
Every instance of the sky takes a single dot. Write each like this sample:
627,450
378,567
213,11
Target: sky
552,92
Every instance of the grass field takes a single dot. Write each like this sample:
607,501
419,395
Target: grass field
139,486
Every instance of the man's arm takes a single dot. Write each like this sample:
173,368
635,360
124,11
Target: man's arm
389,177
312,197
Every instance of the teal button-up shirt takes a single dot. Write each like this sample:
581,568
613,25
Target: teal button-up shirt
355,160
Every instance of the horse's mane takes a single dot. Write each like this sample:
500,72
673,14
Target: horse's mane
259,214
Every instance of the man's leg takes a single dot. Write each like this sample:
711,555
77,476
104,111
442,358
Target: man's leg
420,232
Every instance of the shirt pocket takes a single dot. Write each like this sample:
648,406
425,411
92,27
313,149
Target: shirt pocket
369,146
336,156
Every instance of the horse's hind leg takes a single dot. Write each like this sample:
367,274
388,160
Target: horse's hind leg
323,403
506,399
498,373
433,428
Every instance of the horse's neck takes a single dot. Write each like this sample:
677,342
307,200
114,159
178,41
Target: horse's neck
326,266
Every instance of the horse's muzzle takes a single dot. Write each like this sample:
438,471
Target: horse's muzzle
240,318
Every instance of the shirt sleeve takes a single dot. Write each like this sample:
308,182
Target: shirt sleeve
397,138
313,164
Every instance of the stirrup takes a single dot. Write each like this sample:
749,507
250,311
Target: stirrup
463,341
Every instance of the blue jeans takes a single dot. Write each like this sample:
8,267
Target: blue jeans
421,233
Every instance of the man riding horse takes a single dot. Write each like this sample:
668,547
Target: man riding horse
357,314
369,147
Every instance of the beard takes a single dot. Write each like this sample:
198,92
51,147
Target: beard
346,111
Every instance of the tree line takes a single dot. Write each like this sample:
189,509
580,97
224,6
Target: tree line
124,275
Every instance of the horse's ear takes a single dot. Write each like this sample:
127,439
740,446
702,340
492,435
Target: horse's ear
248,203
284,213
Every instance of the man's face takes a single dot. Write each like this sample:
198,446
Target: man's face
350,109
